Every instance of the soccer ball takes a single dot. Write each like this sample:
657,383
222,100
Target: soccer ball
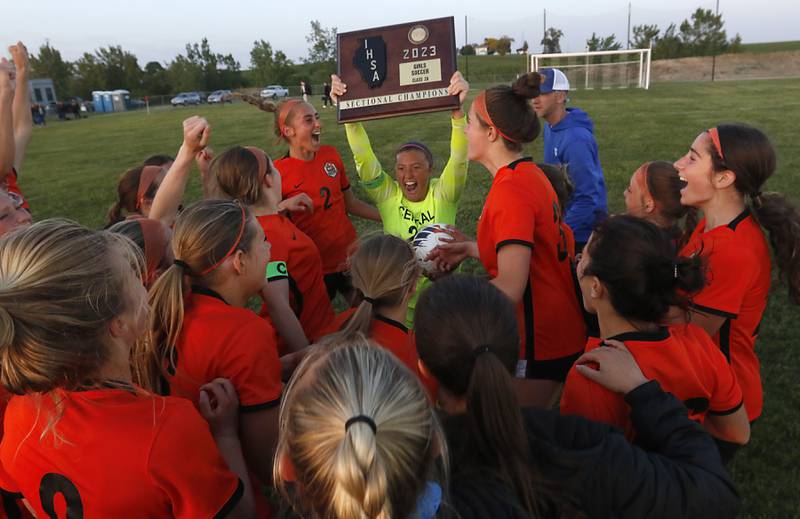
427,239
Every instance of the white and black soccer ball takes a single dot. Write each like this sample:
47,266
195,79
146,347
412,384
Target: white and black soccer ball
427,239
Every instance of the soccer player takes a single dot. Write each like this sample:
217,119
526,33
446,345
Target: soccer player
317,171
201,329
630,276
81,439
136,189
385,272
358,437
412,199
295,297
654,193
725,171
520,240
12,212
512,462
569,139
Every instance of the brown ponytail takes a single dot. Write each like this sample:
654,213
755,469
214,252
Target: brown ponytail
283,111
384,270
508,109
205,233
127,192
750,155
468,338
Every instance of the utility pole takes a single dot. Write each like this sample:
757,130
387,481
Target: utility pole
629,26
544,31
466,56
714,51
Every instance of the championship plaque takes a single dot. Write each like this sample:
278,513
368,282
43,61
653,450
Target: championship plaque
397,70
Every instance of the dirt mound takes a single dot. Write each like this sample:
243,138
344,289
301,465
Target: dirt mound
729,66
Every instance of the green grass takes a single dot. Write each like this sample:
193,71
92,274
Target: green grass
772,46
72,170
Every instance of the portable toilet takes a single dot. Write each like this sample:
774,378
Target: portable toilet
108,102
97,101
121,100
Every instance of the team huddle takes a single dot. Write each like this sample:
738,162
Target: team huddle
605,365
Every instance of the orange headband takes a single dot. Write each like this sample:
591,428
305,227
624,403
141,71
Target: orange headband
480,107
284,112
155,245
714,133
146,178
261,157
233,247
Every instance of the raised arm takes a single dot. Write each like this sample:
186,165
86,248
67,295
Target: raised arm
378,185
23,120
196,133
6,119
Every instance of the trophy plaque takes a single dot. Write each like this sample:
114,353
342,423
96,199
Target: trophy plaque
397,70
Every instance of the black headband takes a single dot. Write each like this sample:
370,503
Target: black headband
361,418
182,264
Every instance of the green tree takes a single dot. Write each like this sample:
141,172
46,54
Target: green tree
551,43
48,63
468,50
599,43
89,75
121,68
669,45
269,66
323,43
155,80
645,36
704,35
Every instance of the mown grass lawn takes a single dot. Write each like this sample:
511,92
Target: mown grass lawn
72,168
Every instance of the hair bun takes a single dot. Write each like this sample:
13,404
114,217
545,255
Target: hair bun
527,85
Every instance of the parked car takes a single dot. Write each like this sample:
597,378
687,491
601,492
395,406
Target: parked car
274,92
186,98
220,96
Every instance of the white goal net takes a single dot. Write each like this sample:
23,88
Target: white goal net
601,69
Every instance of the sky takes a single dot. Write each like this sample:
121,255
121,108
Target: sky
157,30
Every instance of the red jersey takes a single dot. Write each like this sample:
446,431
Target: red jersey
12,186
294,257
522,209
118,453
324,179
738,277
219,340
390,334
682,358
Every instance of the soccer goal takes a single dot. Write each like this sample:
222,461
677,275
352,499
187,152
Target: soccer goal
600,69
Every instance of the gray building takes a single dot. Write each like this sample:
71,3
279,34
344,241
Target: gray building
42,91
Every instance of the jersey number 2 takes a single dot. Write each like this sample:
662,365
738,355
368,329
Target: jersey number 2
325,193
53,484
562,242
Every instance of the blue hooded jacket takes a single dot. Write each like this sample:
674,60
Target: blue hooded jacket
571,142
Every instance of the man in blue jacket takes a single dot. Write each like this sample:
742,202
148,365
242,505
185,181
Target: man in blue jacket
569,139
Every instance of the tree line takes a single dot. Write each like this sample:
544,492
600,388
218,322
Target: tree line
198,68
703,34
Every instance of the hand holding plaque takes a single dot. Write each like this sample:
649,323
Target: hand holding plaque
397,70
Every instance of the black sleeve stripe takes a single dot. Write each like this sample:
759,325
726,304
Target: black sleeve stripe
259,407
513,242
713,311
228,507
727,411
277,277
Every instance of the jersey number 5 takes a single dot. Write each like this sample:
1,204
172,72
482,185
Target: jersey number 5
53,484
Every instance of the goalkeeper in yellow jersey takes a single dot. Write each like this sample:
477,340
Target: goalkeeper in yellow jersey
412,199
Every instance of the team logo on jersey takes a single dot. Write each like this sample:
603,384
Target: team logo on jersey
370,61
330,169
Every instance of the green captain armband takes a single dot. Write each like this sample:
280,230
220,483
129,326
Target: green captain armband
277,270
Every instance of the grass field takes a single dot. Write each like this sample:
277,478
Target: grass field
72,169
773,46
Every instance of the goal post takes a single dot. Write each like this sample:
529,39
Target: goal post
599,69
